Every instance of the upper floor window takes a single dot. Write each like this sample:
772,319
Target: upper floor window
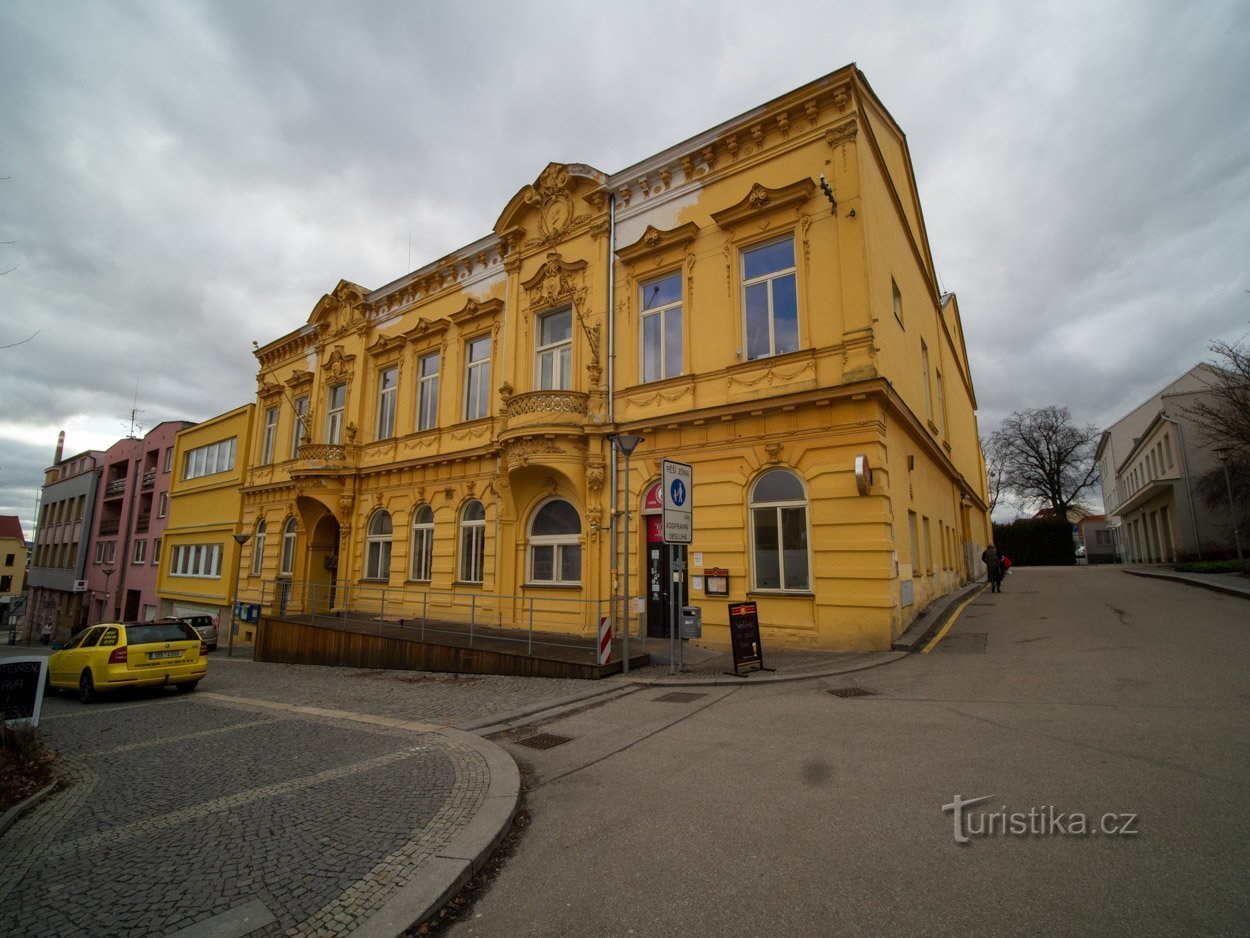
472,541
898,301
388,378
140,552
271,435
336,401
169,458
555,554
427,392
162,505
477,378
258,548
288,548
661,329
555,351
423,543
208,460
199,560
770,299
378,546
779,544
941,402
924,373
299,425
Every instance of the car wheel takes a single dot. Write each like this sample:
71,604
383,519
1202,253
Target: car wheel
86,688
187,686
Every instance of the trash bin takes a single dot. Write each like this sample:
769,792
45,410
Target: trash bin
691,622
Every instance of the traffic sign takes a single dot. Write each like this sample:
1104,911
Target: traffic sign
677,489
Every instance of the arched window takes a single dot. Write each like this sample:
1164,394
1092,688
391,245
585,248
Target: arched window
472,541
258,548
288,548
422,543
378,546
779,543
555,554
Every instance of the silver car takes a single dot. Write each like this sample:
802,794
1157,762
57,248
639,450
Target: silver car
205,625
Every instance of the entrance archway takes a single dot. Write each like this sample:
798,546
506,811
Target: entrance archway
323,562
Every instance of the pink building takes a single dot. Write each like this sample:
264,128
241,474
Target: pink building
132,509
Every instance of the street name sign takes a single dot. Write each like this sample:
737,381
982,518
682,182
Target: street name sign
677,488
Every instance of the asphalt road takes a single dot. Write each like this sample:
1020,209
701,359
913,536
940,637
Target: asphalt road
785,809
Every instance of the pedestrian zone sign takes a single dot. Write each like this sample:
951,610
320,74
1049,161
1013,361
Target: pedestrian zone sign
677,488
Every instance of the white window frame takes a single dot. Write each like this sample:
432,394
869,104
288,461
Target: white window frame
660,313
270,435
477,378
209,459
156,551
780,506
558,352
169,458
471,556
99,551
558,543
139,554
769,278
422,565
258,548
427,391
378,546
928,388
388,386
110,551
162,505
201,561
287,563
299,419
335,413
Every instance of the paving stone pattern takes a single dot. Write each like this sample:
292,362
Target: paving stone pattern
183,809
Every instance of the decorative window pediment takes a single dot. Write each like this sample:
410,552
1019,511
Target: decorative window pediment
556,281
551,198
655,242
300,378
385,347
476,312
338,366
761,201
428,332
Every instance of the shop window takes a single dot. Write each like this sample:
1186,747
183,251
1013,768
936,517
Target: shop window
779,541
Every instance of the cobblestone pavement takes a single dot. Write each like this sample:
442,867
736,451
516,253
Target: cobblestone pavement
183,808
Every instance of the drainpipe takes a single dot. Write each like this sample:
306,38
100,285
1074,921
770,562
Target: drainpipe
612,479
1189,492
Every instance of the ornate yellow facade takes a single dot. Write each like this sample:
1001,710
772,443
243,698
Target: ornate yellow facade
759,301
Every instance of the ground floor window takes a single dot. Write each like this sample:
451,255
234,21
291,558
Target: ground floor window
779,543
554,552
472,541
423,544
378,547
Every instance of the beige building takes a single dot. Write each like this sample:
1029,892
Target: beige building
758,301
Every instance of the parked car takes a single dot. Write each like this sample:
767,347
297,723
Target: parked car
114,655
205,625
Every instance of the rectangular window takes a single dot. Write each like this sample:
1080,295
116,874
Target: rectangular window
208,460
336,400
299,425
1167,447
99,552
6,583
477,378
941,410
196,560
388,378
554,367
156,551
110,551
162,505
770,299
661,329
924,373
169,458
8,559
271,435
928,546
422,552
427,392
141,552
915,543
898,301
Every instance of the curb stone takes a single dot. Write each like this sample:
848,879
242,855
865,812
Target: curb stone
11,816
1243,592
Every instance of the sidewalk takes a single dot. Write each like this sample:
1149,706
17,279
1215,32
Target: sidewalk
1232,584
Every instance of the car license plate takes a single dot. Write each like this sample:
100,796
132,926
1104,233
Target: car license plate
174,653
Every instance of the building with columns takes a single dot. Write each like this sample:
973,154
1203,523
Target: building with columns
758,301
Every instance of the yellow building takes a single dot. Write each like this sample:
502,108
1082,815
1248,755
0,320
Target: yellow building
12,569
198,555
758,301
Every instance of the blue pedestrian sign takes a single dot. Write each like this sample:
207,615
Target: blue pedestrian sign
677,484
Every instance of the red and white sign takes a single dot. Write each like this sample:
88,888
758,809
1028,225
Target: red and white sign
653,500
605,640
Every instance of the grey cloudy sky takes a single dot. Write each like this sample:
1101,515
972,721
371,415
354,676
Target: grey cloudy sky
185,177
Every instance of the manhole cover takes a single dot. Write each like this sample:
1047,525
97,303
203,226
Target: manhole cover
544,741
851,692
679,697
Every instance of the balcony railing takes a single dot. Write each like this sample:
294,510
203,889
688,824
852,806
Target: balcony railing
117,487
149,478
546,409
142,524
110,527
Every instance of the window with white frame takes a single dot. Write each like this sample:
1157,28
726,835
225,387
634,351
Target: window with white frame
941,401
555,554
209,460
422,544
336,401
195,560
299,424
258,548
270,436
287,564
472,541
110,551
427,391
162,505
554,365
661,329
169,458
156,551
898,301
378,546
770,300
388,378
779,542
924,374
477,378
99,552
140,552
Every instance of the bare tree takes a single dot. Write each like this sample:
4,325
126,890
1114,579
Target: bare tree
1224,413
1045,458
993,469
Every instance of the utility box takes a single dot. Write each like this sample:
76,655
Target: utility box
691,622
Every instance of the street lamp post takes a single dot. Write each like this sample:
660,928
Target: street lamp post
1222,453
239,539
108,573
626,443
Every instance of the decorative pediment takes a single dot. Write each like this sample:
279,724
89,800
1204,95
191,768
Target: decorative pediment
428,331
266,387
341,311
556,281
300,378
384,344
476,311
338,366
554,198
762,200
655,242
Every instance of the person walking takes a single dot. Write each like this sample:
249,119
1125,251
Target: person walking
993,568
46,635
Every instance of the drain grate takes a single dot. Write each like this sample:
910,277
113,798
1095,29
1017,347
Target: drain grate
852,692
544,741
680,696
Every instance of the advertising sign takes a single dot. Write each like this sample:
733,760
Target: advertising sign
21,688
744,637
677,487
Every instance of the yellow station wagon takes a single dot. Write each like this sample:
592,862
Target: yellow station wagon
114,655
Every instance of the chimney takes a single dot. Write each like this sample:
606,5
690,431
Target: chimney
60,447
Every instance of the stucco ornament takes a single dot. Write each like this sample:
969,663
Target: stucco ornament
555,205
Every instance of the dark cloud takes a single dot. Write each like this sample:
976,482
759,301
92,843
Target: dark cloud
186,177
